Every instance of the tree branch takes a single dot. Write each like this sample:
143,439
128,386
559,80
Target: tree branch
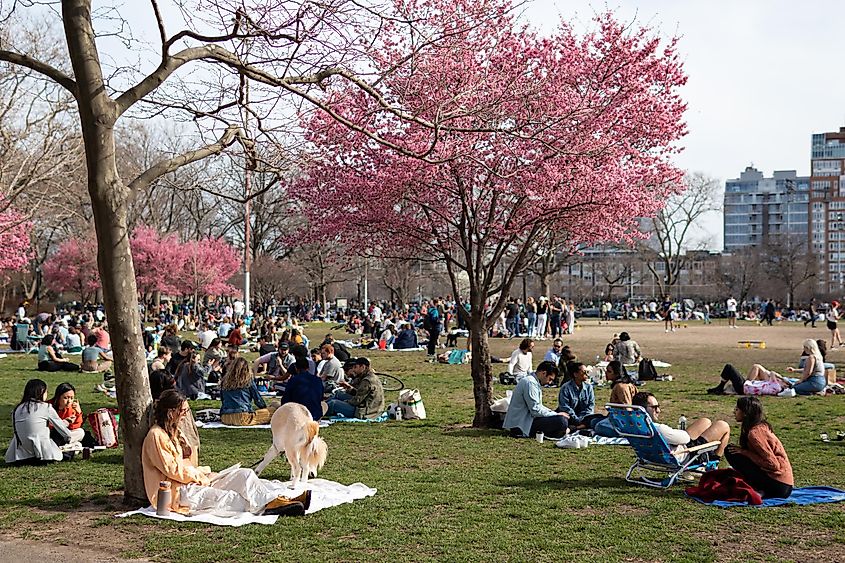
232,134
42,68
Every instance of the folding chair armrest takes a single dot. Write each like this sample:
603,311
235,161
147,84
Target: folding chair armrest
705,447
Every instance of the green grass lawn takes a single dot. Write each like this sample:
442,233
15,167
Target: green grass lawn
447,491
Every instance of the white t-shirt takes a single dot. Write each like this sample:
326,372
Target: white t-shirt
520,364
731,304
832,314
205,338
673,437
239,307
377,314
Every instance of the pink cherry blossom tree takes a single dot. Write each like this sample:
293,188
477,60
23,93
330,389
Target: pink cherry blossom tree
73,268
569,132
206,267
156,258
15,246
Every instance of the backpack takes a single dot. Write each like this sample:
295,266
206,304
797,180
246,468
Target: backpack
646,371
104,427
341,352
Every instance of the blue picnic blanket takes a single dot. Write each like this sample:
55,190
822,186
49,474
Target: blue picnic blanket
380,418
801,496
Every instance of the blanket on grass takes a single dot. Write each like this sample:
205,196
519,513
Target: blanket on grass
217,424
593,441
325,494
724,485
380,418
801,496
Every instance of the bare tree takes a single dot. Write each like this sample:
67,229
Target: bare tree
785,259
739,273
671,228
553,254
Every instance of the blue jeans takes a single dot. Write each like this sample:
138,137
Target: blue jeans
532,322
336,406
605,428
812,385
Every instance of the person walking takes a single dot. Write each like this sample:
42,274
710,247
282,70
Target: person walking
813,313
730,305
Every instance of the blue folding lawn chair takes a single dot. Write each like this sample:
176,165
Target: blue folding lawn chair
653,453
27,342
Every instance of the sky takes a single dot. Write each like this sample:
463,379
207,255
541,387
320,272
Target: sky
763,76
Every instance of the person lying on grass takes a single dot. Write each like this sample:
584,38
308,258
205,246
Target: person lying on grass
699,432
167,457
527,414
762,381
760,457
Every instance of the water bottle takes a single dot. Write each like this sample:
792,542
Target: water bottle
163,499
682,423
398,412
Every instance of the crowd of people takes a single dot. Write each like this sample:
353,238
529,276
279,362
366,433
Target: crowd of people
327,381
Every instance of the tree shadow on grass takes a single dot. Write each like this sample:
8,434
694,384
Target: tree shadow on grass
611,485
469,432
98,502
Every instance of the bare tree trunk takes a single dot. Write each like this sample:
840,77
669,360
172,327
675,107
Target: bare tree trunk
482,370
109,197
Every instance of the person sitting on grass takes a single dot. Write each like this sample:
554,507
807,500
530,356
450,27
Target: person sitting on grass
553,353
163,357
406,339
161,381
67,407
31,419
305,388
577,399
190,377
363,397
626,350
238,392
73,342
527,414
50,360
760,458
521,362
622,391
94,359
166,456
699,432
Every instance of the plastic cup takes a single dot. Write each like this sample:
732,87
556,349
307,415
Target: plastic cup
540,437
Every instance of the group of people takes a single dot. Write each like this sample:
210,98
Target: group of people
40,427
760,456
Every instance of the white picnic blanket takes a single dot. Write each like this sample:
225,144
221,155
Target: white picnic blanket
325,494
657,364
593,441
218,424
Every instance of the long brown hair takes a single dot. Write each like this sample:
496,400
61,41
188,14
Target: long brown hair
166,413
752,415
237,376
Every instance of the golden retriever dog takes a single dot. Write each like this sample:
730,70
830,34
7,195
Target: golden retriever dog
295,433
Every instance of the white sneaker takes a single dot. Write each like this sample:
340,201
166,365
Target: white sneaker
788,392
570,442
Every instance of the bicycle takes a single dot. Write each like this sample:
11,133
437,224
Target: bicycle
390,382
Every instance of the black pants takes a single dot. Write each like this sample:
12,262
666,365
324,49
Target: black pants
556,328
552,426
50,365
433,336
756,477
729,374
